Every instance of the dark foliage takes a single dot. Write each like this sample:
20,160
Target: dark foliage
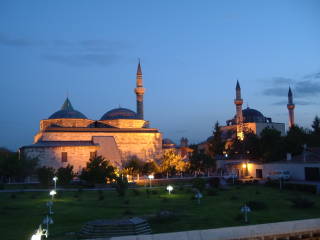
45,175
301,202
121,186
199,183
256,205
98,170
65,175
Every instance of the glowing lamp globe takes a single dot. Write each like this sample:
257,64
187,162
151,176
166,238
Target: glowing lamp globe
169,188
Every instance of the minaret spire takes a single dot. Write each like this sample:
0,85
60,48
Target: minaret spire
290,107
239,118
139,90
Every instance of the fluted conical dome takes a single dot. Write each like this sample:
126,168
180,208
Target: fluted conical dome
67,111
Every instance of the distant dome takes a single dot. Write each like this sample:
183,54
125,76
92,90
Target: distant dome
67,111
119,113
167,141
252,115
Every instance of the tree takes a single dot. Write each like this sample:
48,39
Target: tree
216,143
98,170
133,166
45,175
295,139
271,144
316,126
65,174
122,186
172,162
201,162
13,166
150,167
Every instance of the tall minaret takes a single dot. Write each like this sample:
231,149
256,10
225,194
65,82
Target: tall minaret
239,118
290,107
139,90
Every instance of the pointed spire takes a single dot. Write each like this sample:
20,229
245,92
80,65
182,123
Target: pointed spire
139,72
67,105
289,92
238,85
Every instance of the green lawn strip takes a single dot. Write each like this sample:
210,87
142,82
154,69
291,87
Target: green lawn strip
21,213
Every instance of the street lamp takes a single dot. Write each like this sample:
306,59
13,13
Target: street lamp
198,196
55,182
169,189
150,178
245,209
52,193
38,234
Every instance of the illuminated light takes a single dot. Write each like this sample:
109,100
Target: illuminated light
52,193
244,165
151,177
55,179
169,189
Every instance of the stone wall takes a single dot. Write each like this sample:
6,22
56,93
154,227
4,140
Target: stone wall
78,156
74,122
126,123
145,145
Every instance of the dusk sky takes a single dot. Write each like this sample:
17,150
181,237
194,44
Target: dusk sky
192,53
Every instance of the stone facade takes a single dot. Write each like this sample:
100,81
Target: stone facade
67,136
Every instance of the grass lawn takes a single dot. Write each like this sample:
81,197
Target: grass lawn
21,215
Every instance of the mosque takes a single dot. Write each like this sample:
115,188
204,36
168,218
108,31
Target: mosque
250,119
69,137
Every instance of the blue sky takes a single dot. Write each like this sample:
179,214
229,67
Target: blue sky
192,53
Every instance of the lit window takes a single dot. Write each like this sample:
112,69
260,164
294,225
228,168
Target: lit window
93,154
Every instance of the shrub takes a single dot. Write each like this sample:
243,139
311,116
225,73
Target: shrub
127,202
256,205
301,202
65,175
122,186
199,184
234,198
13,196
211,192
136,192
214,182
45,175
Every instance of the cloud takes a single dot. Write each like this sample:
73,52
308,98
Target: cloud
307,86
88,52
301,103
276,91
282,81
18,42
312,76
83,59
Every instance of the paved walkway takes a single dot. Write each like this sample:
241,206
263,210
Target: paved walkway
301,229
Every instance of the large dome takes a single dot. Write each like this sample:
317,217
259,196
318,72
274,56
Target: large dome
119,113
67,111
252,115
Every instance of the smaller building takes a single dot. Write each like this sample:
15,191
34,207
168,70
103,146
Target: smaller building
305,167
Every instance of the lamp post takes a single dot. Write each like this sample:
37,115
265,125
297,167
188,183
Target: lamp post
150,178
47,220
245,209
198,196
55,182
38,234
52,193
169,189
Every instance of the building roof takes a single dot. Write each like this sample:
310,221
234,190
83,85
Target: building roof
67,111
119,113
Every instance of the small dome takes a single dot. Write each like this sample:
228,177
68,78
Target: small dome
119,113
252,115
67,111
